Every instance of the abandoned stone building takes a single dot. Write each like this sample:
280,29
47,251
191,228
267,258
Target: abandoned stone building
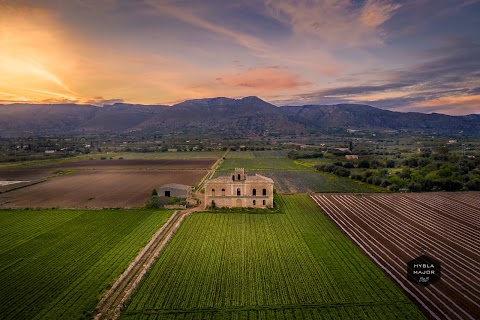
174,190
239,190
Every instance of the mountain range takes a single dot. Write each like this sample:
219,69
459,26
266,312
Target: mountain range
233,117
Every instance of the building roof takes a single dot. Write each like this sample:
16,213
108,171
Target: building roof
255,178
176,186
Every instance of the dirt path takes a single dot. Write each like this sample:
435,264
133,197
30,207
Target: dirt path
114,300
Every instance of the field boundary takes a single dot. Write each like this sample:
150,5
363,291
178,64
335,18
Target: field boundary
112,302
268,307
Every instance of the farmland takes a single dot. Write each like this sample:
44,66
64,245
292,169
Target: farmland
54,264
134,164
293,264
393,229
97,189
260,164
307,181
291,176
99,183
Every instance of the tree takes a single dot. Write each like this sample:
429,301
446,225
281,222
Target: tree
391,164
363,164
473,185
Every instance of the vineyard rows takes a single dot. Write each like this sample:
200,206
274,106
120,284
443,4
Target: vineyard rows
55,264
294,264
393,229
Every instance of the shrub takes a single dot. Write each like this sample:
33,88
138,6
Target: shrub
348,165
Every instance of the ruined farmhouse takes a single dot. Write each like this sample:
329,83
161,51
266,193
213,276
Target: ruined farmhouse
239,190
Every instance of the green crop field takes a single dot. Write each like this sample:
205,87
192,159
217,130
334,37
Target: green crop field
55,264
294,264
307,181
260,164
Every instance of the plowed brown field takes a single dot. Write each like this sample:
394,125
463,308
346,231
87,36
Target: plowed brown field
393,229
99,183
97,189
134,164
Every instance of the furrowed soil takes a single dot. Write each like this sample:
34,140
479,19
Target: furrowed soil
393,229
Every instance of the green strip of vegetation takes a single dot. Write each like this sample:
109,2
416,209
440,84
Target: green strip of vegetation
55,264
291,265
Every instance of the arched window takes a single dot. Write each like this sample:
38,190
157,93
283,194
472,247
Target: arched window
238,176
264,192
223,192
254,202
254,192
233,177
238,191
213,192
264,202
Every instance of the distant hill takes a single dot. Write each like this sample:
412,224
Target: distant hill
355,116
242,117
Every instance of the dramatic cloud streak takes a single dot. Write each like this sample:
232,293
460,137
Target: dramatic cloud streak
340,22
394,54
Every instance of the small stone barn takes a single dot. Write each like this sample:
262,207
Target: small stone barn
174,190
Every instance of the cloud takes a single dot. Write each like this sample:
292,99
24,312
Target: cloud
264,79
454,105
186,15
34,53
449,81
334,21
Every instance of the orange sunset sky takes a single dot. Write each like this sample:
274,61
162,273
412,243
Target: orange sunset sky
398,55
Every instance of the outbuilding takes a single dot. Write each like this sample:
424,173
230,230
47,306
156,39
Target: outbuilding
174,190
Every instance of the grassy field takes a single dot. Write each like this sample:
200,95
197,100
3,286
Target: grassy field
260,164
55,264
289,265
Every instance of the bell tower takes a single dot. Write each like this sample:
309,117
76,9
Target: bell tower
239,174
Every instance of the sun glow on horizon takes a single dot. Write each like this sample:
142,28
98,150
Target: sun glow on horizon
160,53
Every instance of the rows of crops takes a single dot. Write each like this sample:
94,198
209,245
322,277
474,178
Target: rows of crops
260,164
54,264
290,265
395,228
306,181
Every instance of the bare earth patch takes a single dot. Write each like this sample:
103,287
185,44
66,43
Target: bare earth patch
134,164
97,189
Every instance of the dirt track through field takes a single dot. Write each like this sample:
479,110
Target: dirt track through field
393,229
114,300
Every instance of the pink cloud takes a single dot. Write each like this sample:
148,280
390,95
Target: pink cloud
265,79
459,105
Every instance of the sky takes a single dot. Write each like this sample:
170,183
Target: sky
412,55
